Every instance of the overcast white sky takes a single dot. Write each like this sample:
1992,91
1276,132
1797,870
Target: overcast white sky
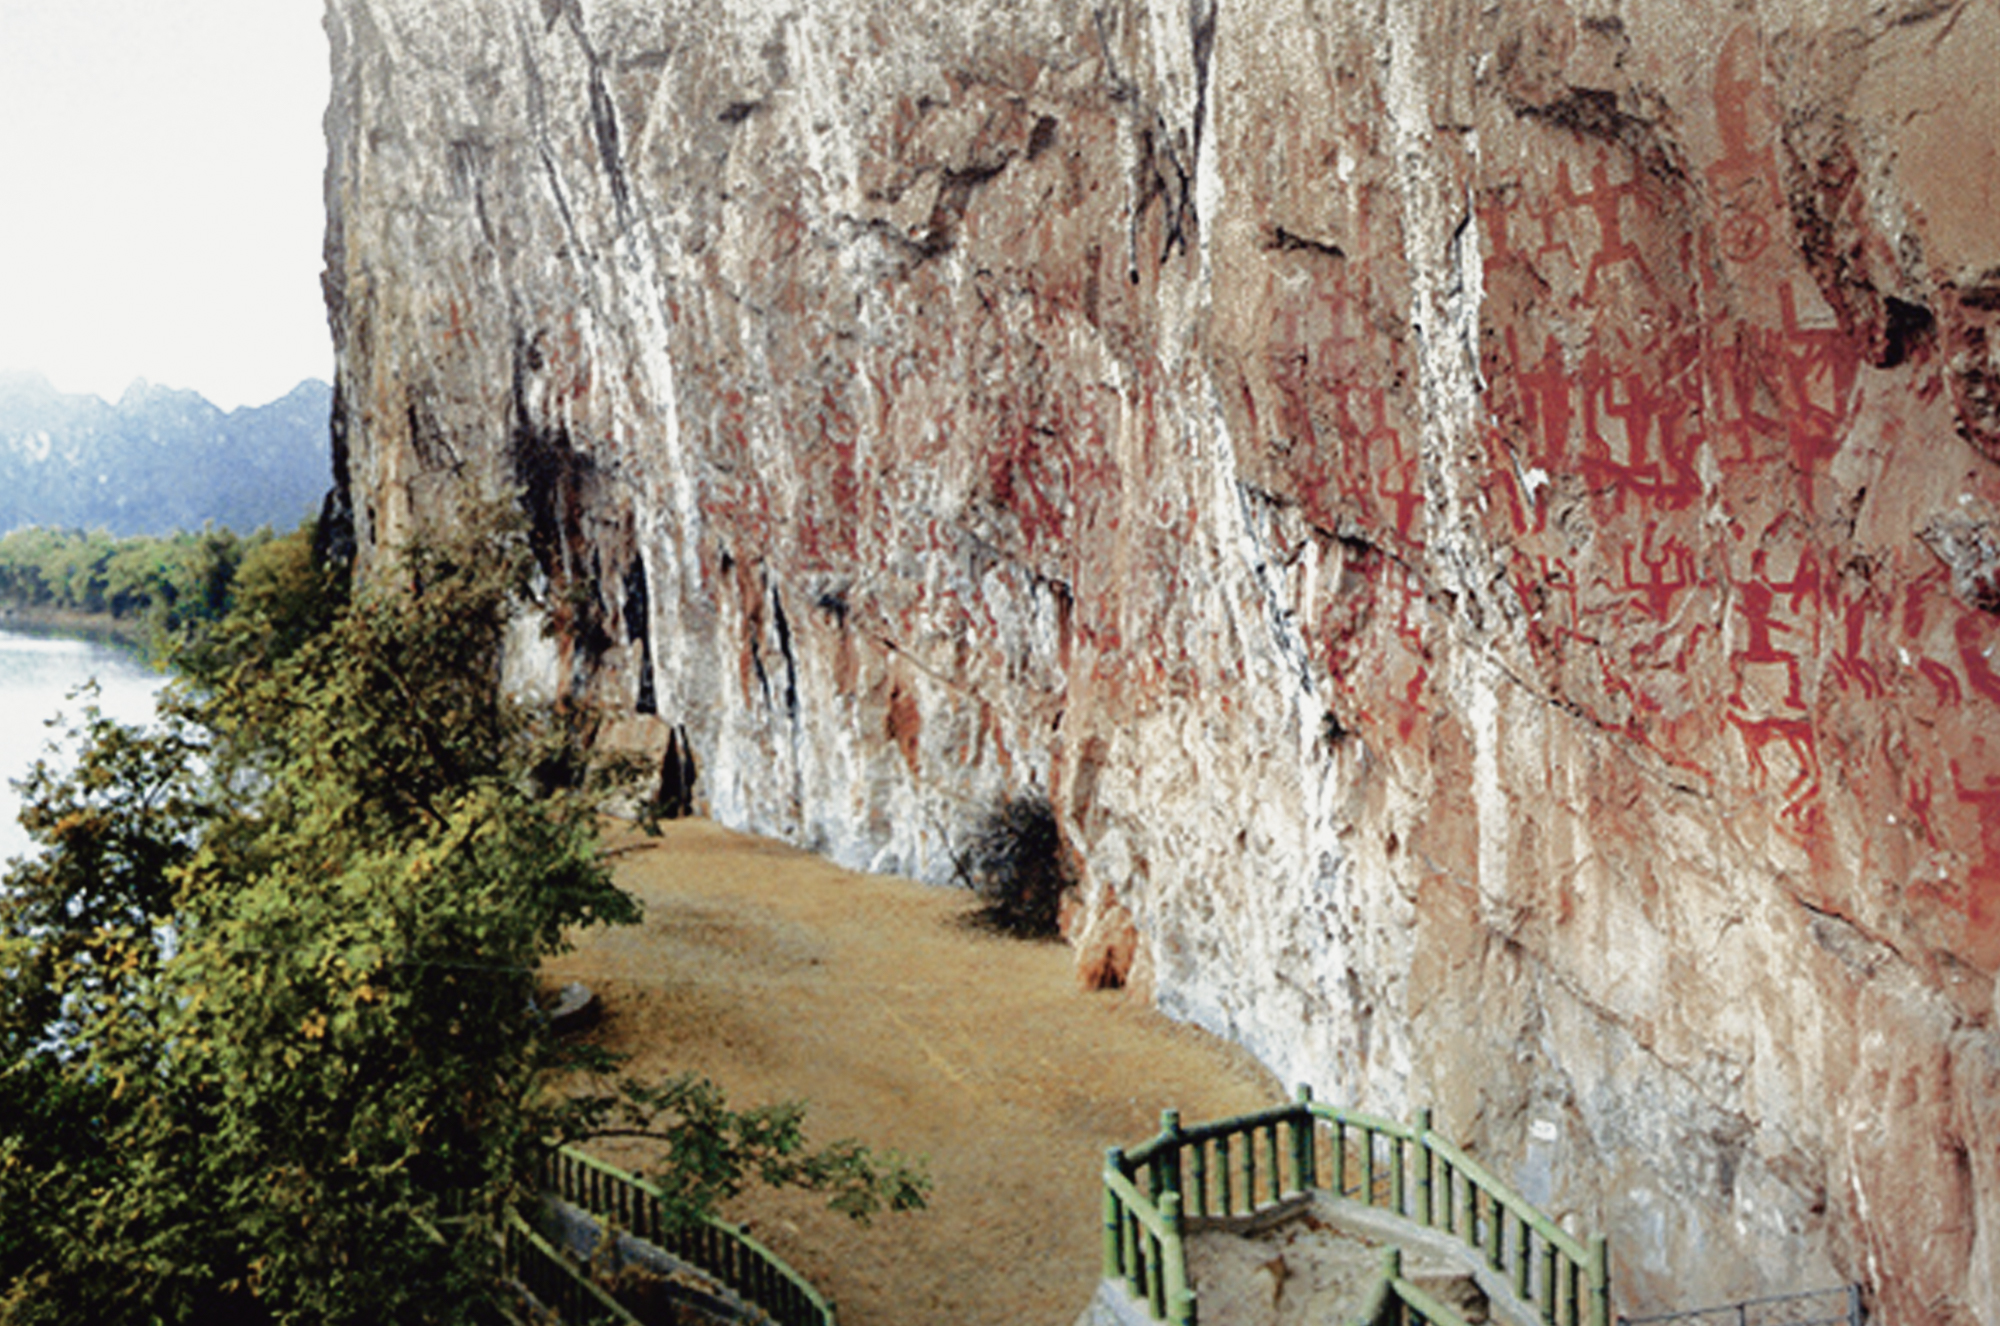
160,200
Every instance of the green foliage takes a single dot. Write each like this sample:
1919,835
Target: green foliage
708,1152
279,598
172,587
267,995
72,919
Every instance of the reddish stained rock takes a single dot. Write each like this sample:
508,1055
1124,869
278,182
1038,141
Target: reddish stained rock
1481,520
1106,943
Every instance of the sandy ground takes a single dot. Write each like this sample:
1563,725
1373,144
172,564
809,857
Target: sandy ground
780,975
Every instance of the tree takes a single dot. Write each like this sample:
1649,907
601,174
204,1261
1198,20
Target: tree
179,586
268,995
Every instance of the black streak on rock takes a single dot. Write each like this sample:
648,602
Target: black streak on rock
1284,241
638,629
333,537
784,631
1043,137
1906,328
558,484
678,776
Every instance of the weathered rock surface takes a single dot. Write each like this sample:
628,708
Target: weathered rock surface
1483,520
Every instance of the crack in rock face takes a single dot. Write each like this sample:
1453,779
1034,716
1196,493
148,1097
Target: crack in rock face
1481,524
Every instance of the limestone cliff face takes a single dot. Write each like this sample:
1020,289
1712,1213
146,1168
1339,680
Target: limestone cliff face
1482,519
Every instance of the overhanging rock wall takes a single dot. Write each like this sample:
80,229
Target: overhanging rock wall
1482,519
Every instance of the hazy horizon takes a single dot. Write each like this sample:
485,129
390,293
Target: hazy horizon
10,372
163,167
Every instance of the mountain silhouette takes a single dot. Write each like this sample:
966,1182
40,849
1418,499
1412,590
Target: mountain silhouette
158,459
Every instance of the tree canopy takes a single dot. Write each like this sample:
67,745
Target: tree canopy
270,1047
169,588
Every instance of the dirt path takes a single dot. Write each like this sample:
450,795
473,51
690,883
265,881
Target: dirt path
780,975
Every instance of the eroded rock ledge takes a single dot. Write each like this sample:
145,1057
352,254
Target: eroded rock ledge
1481,519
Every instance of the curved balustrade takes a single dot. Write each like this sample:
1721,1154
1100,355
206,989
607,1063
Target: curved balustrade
637,1208
1250,1163
554,1283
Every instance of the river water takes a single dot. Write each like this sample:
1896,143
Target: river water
38,676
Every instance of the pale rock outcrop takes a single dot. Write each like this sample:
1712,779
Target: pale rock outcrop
1480,519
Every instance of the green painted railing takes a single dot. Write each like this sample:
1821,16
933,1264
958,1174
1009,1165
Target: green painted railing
1252,1162
1401,1302
637,1208
554,1282
1144,1244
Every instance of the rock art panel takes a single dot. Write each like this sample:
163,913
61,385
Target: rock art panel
1482,521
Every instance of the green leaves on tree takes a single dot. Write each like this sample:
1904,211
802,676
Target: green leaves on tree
268,991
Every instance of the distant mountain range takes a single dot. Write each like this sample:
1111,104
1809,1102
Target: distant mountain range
158,459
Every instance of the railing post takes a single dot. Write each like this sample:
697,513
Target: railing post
1397,1184
1219,1192
1600,1281
1174,1288
1304,1161
1424,1167
1339,1132
1167,1160
1113,1263
1524,1248
1157,1260
1247,1171
1132,1251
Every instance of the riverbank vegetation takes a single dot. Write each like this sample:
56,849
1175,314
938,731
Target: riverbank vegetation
153,591
270,1041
